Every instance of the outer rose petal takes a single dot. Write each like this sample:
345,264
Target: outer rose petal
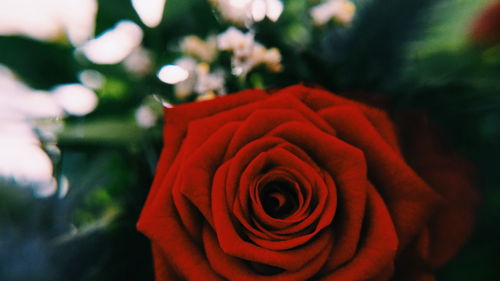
452,177
410,200
379,248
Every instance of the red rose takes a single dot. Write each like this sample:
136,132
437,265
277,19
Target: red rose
486,28
300,184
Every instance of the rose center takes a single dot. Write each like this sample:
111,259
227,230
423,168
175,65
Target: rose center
279,199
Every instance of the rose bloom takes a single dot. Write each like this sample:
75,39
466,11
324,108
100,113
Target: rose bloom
302,184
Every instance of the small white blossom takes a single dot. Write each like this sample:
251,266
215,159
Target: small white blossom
274,8
247,54
189,64
236,41
199,79
209,82
185,88
341,11
244,12
149,11
269,57
204,50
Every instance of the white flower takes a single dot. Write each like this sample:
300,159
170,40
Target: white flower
189,64
247,54
185,88
150,11
341,11
199,79
204,50
269,57
207,82
244,12
274,8
236,41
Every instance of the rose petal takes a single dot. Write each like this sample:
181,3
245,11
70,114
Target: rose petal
193,187
378,247
318,99
410,200
236,269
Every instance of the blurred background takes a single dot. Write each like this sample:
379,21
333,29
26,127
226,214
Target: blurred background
83,84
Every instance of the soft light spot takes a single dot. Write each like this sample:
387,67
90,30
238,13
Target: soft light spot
239,3
75,99
18,101
172,74
274,9
78,19
49,19
145,117
163,102
139,62
25,162
259,8
91,78
115,44
150,11
46,189
40,104
63,187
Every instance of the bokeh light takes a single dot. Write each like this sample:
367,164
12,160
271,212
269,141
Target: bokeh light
115,44
150,11
172,74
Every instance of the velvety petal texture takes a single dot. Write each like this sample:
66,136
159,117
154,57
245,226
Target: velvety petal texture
301,184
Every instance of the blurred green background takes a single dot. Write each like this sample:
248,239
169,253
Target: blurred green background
75,220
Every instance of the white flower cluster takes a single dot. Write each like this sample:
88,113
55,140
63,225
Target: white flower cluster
192,73
205,51
245,12
247,53
341,11
199,80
